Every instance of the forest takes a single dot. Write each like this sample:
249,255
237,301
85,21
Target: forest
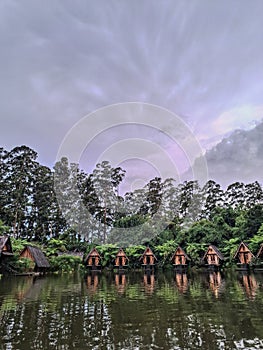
67,209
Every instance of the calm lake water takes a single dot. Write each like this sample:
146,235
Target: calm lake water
132,311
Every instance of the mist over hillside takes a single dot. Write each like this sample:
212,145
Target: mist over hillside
238,157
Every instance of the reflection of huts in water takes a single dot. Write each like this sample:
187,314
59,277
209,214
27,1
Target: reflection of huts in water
148,259
215,283
120,282
249,284
35,254
92,282
213,257
93,260
121,260
243,255
6,251
149,282
180,259
181,281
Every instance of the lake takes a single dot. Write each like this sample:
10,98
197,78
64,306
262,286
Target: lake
132,311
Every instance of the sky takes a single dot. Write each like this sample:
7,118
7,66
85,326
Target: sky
198,60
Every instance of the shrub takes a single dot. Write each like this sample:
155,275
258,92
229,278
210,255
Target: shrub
65,263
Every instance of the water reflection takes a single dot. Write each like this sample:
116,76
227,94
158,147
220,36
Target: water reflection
120,282
181,281
249,284
149,282
216,283
132,311
92,282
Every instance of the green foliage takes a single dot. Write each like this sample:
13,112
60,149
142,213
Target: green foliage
25,264
196,252
165,251
256,240
3,228
134,253
55,246
108,253
18,245
229,248
65,263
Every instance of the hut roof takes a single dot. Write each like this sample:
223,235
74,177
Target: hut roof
3,241
184,253
38,256
148,251
93,252
239,247
216,250
260,250
121,252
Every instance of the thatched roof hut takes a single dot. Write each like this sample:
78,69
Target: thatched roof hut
243,254
5,252
121,259
5,246
93,259
180,258
213,256
36,255
148,258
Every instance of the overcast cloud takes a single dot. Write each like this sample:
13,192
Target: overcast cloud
61,60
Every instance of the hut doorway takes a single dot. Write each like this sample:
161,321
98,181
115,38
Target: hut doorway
148,260
93,261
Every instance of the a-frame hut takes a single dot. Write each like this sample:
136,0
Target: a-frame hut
243,254
36,255
213,257
93,260
148,259
180,259
6,251
121,259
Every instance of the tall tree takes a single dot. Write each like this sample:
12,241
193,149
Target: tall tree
21,164
105,181
213,196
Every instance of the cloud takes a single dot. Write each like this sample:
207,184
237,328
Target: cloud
243,117
237,157
63,60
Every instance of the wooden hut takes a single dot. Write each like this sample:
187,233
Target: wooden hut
180,259
148,259
213,257
93,260
36,255
121,260
6,251
243,255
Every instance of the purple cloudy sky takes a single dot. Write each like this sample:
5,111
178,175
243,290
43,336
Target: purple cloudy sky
61,60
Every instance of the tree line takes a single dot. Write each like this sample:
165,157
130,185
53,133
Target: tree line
38,203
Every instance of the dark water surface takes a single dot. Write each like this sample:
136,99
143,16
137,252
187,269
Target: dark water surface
132,311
